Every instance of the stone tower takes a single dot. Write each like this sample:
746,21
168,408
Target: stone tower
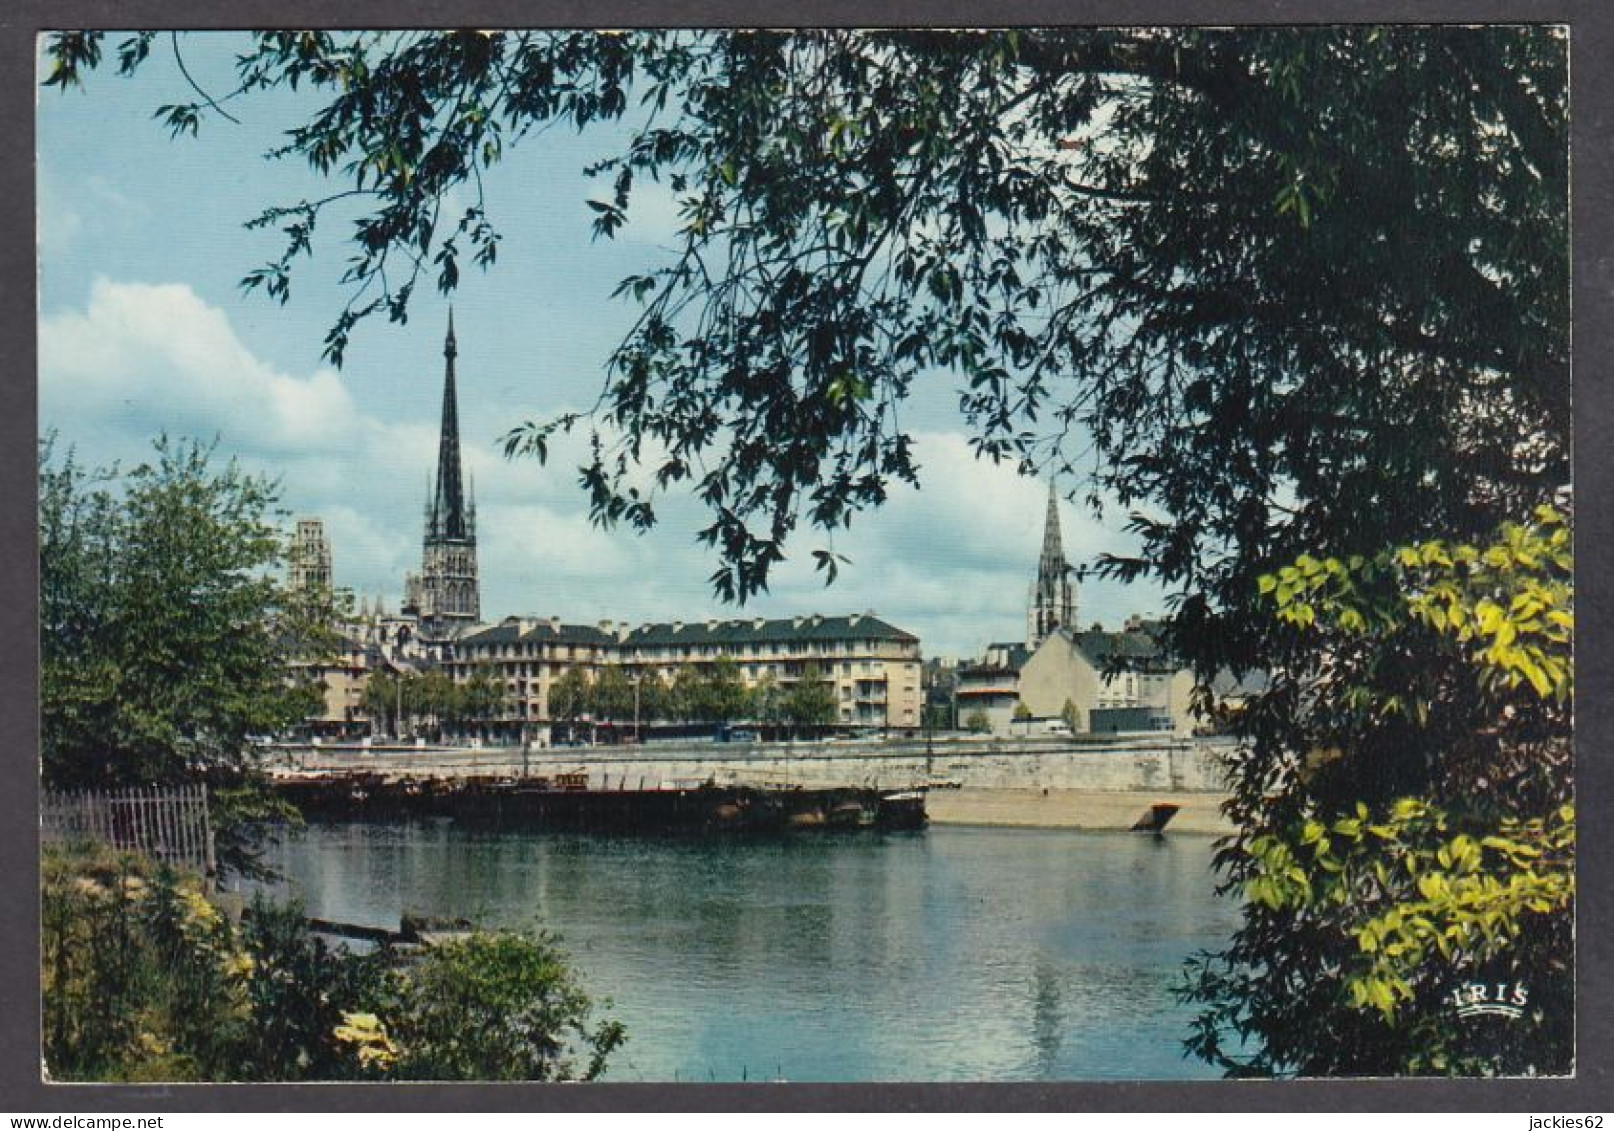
310,565
1053,594
446,595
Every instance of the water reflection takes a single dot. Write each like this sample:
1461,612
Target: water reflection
952,954
1048,1018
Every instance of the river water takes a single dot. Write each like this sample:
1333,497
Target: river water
944,955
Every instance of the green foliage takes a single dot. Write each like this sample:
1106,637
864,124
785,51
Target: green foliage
1239,260
613,695
809,703
570,696
655,697
481,697
428,700
1510,603
1071,715
1442,685
144,978
165,634
1421,891
498,1006
766,700
722,695
140,978
299,993
710,693
688,695
976,722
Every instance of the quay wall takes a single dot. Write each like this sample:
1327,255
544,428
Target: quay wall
1064,783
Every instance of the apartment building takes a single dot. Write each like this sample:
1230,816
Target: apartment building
872,666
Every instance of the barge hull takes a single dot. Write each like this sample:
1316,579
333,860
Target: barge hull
518,803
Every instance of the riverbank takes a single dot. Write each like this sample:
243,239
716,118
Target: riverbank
1086,809
1090,783
1163,764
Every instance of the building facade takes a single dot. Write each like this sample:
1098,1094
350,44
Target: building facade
872,667
446,594
1108,681
340,678
871,670
989,688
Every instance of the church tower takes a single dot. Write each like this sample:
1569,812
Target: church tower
310,565
446,594
1053,594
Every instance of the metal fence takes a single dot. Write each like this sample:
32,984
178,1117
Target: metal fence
170,825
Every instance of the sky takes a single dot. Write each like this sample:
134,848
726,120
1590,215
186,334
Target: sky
144,330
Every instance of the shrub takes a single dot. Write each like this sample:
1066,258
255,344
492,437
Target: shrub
145,978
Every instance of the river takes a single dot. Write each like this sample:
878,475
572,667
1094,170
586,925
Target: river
950,954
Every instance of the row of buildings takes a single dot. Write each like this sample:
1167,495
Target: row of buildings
1060,676
871,668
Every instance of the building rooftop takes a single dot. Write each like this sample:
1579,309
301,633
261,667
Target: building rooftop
1135,647
734,630
856,626
512,630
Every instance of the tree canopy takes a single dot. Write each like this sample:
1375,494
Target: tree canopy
1285,296
167,638
1224,272
165,630
1422,841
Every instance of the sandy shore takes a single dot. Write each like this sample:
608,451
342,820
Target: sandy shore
1073,809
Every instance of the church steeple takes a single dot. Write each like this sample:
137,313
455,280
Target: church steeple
448,504
1053,594
447,592
1053,550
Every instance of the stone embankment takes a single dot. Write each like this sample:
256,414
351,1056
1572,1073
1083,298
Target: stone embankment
1084,783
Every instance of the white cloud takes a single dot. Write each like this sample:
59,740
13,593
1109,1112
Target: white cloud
143,359
158,355
654,216
954,560
951,562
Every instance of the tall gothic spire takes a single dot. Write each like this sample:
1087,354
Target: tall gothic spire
448,503
1053,594
1053,550
446,594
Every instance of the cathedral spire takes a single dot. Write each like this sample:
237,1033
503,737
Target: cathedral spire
1053,594
1053,549
446,595
449,501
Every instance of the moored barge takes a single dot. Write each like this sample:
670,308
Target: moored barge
567,802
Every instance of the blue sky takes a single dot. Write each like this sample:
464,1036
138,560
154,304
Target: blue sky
144,329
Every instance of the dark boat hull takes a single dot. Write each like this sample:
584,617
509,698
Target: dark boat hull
520,803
